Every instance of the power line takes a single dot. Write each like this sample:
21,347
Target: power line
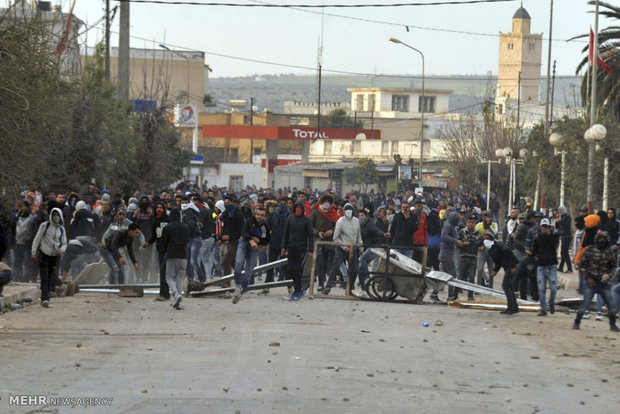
409,26
316,6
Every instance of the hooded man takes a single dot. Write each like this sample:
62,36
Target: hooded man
447,249
83,223
160,221
173,242
277,223
565,233
612,227
486,226
347,230
190,216
231,226
48,244
296,241
254,238
144,216
591,223
598,265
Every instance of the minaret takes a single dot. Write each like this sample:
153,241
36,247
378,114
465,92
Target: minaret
520,51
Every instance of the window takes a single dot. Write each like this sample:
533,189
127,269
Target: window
500,109
511,46
400,103
394,147
531,46
357,147
385,148
359,102
371,103
426,104
327,148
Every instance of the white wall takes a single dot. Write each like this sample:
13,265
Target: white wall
252,174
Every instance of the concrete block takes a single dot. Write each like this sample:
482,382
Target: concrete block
131,292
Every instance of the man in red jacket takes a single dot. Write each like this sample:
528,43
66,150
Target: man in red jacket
420,237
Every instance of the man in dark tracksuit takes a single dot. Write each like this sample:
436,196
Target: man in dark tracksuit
565,233
173,242
402,229
503,257
297,240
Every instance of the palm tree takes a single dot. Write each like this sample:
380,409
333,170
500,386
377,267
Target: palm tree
608,89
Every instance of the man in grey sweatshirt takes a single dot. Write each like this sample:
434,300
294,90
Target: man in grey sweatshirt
347,231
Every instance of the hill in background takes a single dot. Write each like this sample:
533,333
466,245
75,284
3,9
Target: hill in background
270,91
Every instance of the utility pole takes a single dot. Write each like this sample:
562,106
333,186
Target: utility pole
123,53
107,40
593,76
546,129
552,94
518,105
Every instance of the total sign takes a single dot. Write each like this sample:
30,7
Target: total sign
186,116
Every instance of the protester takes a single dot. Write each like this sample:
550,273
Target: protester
48,244
504,258
545,248
173,241
296,242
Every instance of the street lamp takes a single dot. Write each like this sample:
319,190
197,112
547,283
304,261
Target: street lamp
188,67
512,162
557,140
593,135
489,162
394,40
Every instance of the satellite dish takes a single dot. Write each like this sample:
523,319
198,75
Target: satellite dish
360,137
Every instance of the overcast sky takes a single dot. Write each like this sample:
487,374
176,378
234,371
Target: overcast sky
288,36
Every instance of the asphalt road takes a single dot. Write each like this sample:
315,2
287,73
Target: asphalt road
266,354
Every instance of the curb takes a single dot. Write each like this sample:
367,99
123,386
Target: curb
17,292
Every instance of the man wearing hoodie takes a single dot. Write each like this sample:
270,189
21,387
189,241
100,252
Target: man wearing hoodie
207,234
296,241
49,243
159,223
598,265
447,249
254,238
83,223
347,230
143,216
565,233
173,241
232,225
277,222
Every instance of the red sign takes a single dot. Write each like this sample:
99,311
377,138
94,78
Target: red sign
287,133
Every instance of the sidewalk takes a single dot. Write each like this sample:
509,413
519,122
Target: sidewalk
569,281
21,293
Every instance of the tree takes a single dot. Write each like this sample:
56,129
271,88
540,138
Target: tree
608,84
338,118
363,174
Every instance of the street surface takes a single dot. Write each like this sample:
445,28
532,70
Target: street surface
267,354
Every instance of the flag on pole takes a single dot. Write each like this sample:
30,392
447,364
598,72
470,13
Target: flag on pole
62,45
599,62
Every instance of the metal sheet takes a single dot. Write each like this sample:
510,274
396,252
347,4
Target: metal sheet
216,292
118,286
146,292
483,290
399,260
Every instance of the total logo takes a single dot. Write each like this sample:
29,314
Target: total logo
300,133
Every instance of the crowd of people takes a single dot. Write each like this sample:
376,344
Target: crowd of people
193,233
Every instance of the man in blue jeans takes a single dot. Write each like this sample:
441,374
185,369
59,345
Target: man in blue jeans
545,249
254,238
598,264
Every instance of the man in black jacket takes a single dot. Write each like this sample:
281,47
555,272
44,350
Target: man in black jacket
544,248
207,234
565,234
160,221
115,240
371,235
402,229
254,237
277,223
526,270
504,258
173,241
298,239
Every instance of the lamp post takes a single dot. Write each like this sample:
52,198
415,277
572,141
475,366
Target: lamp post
556,140
394,40
594,134
489,162
512,162
188,67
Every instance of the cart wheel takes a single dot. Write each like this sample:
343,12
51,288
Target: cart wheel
378,284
